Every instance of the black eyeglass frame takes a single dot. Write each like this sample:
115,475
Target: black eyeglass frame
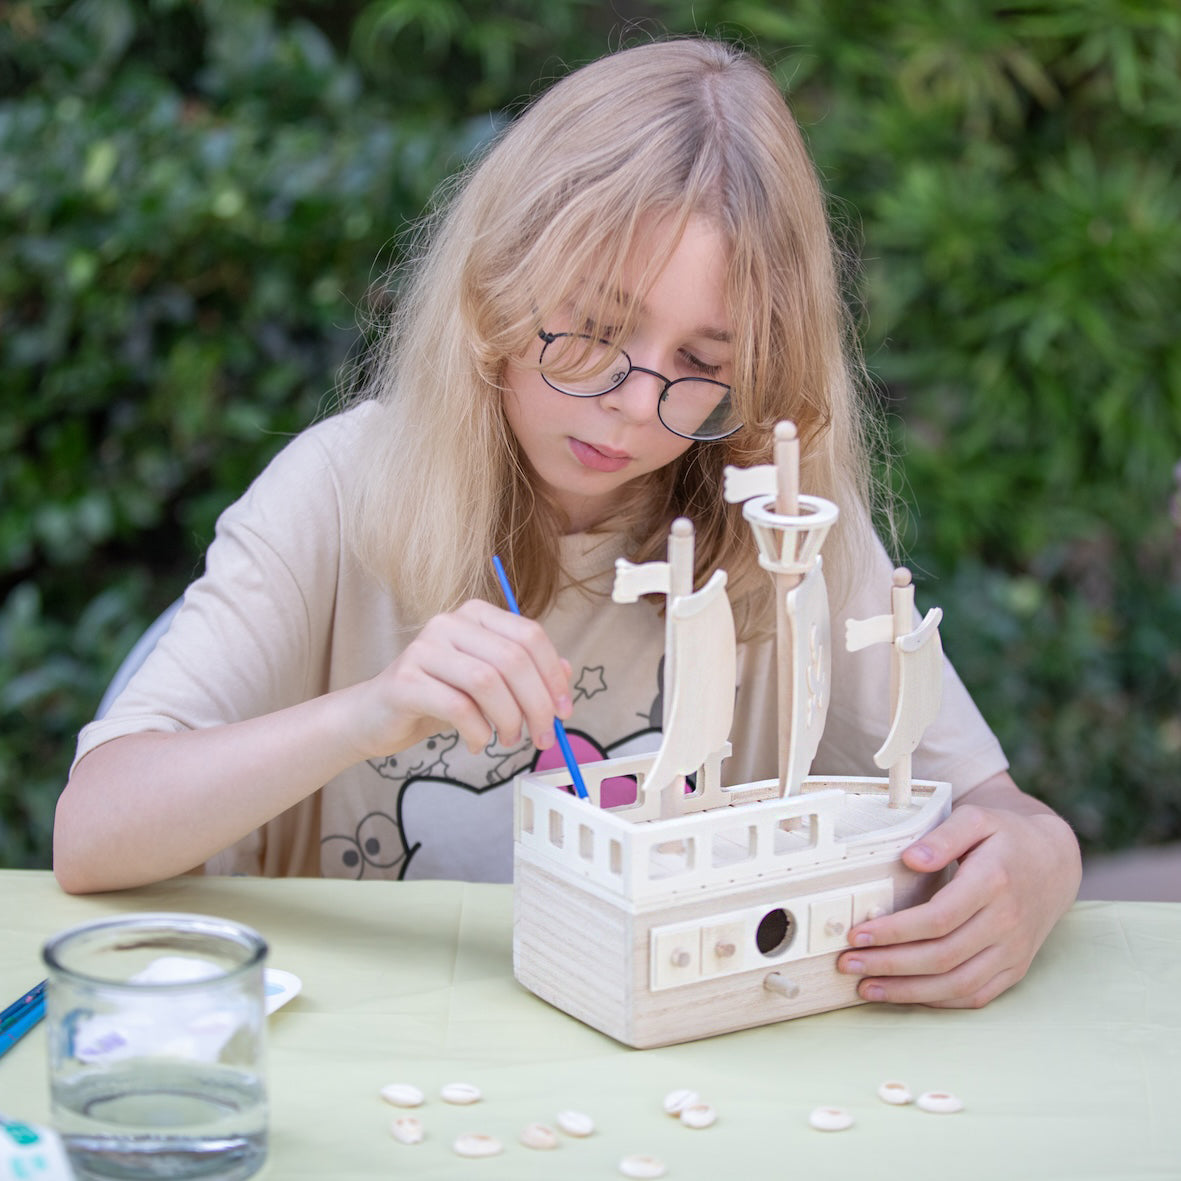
548,338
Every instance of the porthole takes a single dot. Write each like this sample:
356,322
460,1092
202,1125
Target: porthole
775,931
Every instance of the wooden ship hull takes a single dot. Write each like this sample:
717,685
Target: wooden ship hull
657,931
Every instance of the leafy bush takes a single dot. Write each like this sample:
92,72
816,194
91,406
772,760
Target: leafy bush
198,199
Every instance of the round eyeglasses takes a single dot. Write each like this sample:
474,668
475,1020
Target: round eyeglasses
585,367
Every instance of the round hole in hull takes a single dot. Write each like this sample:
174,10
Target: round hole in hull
775,932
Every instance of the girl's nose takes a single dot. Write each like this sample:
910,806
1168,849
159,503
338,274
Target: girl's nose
637,396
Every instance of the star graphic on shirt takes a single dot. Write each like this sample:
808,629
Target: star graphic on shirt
590,681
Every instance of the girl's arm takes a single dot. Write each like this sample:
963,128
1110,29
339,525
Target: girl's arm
147,806
1019,871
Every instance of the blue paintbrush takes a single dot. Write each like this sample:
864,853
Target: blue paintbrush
559,729
18,1007
20,1022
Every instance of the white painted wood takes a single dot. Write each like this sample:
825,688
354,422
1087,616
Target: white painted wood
809,676
700,701
790,705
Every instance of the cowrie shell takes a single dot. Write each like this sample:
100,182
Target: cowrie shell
830,1119
540,1136
477,1144
675,1101
575,1123
460,1093
940,1102
402,1095
641,1166
407,1129
698,1115
895,1092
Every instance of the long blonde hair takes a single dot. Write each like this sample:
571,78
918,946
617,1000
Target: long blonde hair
661,131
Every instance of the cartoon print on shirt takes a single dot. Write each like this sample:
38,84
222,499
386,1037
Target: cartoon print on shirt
502,758
655,715
457,831
442,827
590,681
376,845
428,757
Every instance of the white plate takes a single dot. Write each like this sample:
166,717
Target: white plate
279,988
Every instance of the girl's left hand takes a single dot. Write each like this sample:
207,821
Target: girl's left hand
1019,871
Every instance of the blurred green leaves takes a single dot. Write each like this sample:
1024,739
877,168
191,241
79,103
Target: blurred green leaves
199,198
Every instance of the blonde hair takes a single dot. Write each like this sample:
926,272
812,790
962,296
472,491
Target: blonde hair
650,135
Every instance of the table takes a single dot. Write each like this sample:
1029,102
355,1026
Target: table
1075,1073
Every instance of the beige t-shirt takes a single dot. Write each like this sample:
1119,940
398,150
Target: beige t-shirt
284,613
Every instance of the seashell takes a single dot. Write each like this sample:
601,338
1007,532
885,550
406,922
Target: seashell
641,1166
940,1102
575,1123
477,1144
698,1115
830,1119
674,1101
540,1136
460,1093
407,1129
402,1095
895,1092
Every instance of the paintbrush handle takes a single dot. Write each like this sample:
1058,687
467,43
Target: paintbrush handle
21,1025
559,729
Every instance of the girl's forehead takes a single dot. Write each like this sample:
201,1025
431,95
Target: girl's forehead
685,285
622,281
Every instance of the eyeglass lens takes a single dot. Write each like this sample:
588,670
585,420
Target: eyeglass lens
693,407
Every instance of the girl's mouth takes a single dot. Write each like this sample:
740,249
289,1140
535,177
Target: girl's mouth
599,459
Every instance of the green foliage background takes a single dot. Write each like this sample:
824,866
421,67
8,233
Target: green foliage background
198,200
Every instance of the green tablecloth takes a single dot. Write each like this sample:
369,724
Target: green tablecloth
1075,1073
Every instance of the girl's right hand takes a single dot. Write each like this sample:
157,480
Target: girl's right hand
477,669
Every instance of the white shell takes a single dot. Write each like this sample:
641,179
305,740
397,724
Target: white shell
641,1166
477,1144
407,1129
830,1119
677,1100
895,1092
402,1095
940,1102
674,1101
540,1136
698,1115
575,1123
460,1093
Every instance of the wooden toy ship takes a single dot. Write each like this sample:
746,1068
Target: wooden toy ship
702,908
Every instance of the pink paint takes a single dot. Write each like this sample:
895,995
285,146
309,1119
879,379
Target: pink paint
619,789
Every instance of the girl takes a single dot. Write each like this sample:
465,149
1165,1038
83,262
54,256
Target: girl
628,292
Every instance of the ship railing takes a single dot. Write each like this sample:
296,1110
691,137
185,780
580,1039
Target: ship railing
629,851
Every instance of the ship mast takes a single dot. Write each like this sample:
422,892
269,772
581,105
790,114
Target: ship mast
789,528
787,504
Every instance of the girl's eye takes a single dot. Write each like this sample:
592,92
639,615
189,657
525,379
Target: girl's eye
702,367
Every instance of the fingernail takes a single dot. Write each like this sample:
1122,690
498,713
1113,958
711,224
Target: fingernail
863,939
544,740
874,992
565,706
853,967
922,852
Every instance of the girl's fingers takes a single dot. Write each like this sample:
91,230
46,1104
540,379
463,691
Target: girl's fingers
928,958
970,986
530,638
482,669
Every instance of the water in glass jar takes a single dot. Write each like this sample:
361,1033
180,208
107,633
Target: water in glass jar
146,1120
